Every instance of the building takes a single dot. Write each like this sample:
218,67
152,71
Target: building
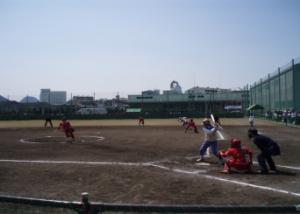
83,101
53,97
99,109
279,90
45,95
116,104
195,101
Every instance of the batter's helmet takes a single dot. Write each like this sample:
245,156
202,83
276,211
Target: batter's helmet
205,120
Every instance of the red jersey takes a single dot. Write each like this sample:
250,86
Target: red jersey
66,126
239,156
141,120
191,124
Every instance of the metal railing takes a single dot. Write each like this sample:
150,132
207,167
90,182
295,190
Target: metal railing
10,204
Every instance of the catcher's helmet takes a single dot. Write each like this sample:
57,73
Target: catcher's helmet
235,143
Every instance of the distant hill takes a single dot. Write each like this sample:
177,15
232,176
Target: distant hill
2,99
29,99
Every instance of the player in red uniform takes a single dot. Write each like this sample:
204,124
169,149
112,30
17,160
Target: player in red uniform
141,121
183,121
237,157
191,124
66,127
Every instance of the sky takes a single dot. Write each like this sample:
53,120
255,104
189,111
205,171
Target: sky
127,46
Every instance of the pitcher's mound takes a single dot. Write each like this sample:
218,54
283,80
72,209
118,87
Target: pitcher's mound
61,139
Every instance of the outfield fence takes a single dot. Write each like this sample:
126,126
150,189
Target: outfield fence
21,205
159,115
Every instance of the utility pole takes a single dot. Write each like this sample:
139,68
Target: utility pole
94,102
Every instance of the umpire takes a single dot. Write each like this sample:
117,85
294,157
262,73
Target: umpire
268,148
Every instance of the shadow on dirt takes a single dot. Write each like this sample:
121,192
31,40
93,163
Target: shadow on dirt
274,173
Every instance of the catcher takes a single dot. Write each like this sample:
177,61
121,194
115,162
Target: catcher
66,127
237,157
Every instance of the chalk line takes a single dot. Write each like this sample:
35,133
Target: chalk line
280,166
103,163
283,166
75,162
252,185
176,170
35,140
236,182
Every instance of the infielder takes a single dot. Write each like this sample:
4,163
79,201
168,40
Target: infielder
141,121
183,121
48,120
66,127
251,119
191,124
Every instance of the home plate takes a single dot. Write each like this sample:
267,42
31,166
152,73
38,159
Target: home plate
202,164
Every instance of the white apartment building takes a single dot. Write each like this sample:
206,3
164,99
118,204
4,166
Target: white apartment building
53,97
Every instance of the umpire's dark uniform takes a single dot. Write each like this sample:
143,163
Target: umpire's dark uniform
268,149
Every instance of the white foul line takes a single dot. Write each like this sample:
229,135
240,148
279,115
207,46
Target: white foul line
283,166
232,181
74,162
280,166
104,163
289,167
197,172
252,185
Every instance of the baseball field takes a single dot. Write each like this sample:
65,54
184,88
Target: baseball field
118,161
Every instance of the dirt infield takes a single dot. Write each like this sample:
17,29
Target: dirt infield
151,164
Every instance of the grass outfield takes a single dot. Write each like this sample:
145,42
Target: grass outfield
129,122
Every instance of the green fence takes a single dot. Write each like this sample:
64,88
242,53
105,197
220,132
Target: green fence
20,205
279,90
123,115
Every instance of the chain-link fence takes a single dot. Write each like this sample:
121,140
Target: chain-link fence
278,90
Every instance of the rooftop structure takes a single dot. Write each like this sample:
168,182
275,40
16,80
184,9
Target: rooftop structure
83,100
196,99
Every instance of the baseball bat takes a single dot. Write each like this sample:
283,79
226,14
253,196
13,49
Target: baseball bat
218,132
